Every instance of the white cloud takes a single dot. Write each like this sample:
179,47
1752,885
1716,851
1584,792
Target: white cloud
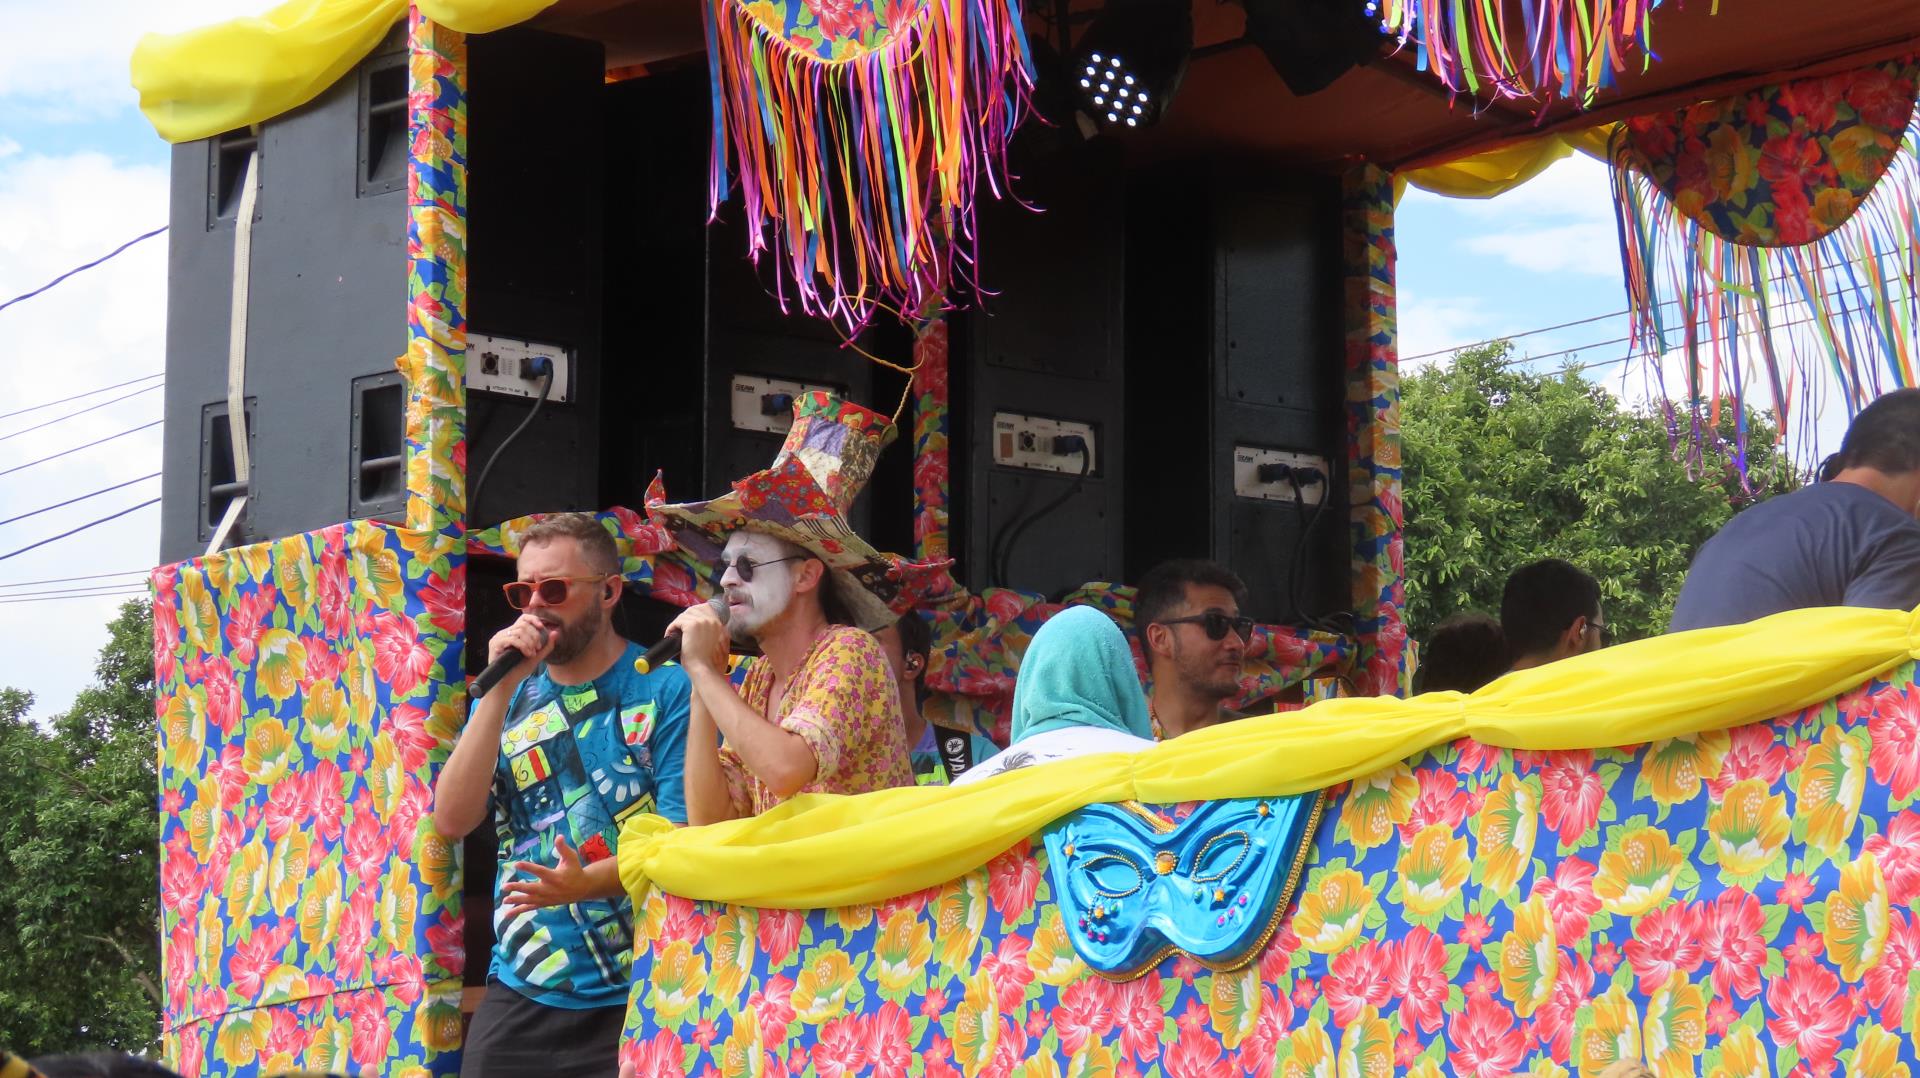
8,147
70,60
102,326
1586,249
1432,328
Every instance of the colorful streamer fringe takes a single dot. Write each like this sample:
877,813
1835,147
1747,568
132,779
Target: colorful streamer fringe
859,131
1771,248
1561,48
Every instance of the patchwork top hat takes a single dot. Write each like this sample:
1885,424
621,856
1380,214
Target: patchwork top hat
803,498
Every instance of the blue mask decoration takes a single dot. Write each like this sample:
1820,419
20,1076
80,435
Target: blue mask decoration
1136,885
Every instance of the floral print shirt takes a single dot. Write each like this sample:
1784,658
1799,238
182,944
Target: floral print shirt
842,702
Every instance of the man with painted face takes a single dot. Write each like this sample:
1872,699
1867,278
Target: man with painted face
570,744
818,712
1195,641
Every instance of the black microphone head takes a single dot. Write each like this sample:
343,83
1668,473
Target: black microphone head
718,604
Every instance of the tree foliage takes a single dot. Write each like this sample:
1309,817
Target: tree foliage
1503,466
78,891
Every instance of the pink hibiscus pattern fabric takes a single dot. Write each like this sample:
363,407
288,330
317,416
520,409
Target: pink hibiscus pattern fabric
308,689
1783,165
1731,903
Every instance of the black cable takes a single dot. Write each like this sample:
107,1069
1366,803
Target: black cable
81,498
142,573
1298,569
77,269
480,484
79,396
1013,538
78,448
82,411
78,530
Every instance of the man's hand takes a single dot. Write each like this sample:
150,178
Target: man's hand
565,883
527,635
703,639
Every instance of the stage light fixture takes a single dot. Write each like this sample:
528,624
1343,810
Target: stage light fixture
1131,61
1310,43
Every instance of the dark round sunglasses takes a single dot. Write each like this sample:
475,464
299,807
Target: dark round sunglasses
744,566
1216,624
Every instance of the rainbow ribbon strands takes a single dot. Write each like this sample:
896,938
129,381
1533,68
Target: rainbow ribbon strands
1560,48
1771,247
858,131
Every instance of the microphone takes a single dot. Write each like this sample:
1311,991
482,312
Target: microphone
497,669
668,648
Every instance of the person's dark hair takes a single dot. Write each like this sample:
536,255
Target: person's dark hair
832,606
1885,436
1465,652
596,544
1541,600
100,1065
1164,588
916,638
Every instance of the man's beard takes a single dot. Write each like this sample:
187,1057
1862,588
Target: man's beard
1207,680
764,605
571,638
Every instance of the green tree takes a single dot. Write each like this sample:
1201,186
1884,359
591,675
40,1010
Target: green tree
1504,465
78,885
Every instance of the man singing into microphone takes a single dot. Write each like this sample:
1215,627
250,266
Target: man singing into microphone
572,742
818,713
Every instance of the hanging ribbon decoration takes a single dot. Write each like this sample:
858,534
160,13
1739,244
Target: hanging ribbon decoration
1564,48
858,132
1771,243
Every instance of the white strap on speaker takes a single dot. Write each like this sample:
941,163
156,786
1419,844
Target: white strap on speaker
237,352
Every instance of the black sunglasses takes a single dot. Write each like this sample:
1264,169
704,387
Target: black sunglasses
1216,624
744,566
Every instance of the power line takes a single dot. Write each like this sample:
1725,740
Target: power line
104,589
82,411
81,498
78,396
1782,277
78,448
75,595
66,579
78,530
78,269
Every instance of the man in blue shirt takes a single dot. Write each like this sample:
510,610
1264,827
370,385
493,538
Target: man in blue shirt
568,746
1851,540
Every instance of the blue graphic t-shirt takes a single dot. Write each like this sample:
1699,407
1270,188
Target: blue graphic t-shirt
577,760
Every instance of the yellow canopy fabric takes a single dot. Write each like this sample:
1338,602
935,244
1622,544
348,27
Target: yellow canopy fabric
823,851
237,73
1484,175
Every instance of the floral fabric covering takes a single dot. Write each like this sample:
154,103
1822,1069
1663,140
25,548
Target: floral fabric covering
308,689
1731,903
1781,166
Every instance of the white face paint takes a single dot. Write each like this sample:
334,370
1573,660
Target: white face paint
753,605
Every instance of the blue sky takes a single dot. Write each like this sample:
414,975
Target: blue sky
81,172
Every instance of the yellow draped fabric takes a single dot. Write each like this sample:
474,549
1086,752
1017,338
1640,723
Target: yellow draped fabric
1484,175
824,851
240,72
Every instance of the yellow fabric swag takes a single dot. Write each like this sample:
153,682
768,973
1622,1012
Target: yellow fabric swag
237,73
822,851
